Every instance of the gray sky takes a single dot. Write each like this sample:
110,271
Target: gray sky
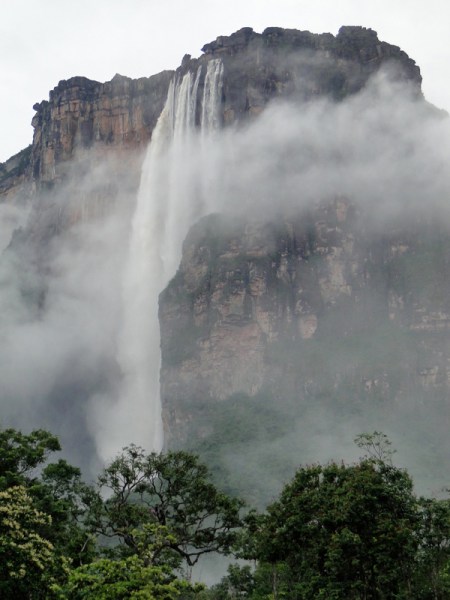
44,41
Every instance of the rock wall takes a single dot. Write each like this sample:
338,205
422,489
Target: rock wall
118,116
88,145
314,313
301,65
82,114
253,303
14,176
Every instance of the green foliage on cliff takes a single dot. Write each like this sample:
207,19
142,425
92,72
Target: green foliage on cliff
236,433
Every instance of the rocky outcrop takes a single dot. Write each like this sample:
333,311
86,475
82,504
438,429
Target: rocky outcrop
87,117
118,116
14,180
87,151
308,310
301,65
83,115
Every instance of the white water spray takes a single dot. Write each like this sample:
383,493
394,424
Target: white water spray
168,204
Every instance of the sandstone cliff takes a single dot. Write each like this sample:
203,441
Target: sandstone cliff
247,292
276,335
301,65
82,114
119,116
270,305
273,327
87,127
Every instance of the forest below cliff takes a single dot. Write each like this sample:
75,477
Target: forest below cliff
341,531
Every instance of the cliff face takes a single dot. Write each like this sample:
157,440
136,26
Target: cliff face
13,176
85,126
256,304
287,63
304,308
327,316
84,116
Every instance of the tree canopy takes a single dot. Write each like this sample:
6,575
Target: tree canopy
344,531
29,565
171,490
337,531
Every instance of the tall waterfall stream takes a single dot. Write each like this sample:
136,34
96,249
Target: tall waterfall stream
170,199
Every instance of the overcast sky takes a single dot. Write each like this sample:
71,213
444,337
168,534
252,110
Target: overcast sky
44,41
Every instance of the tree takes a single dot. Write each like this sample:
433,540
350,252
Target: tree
135,576
171,490
120,579
433,559
131,577
28,562
62,494
56,489
343,531
21,454
377,445
237,584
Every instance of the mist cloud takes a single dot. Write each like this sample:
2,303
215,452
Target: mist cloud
382,147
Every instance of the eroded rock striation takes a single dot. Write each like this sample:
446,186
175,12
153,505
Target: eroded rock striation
82,114
119,115
305,308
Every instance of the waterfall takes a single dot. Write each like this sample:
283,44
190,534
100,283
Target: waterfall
212,94
167,205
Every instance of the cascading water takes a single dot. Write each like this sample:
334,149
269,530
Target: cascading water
212,95
168,203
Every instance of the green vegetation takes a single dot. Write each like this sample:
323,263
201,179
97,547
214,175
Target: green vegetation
346,532
131,577
237,434
148,518
29,563
337,531
169,491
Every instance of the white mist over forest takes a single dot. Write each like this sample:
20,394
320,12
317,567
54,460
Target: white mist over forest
74,366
